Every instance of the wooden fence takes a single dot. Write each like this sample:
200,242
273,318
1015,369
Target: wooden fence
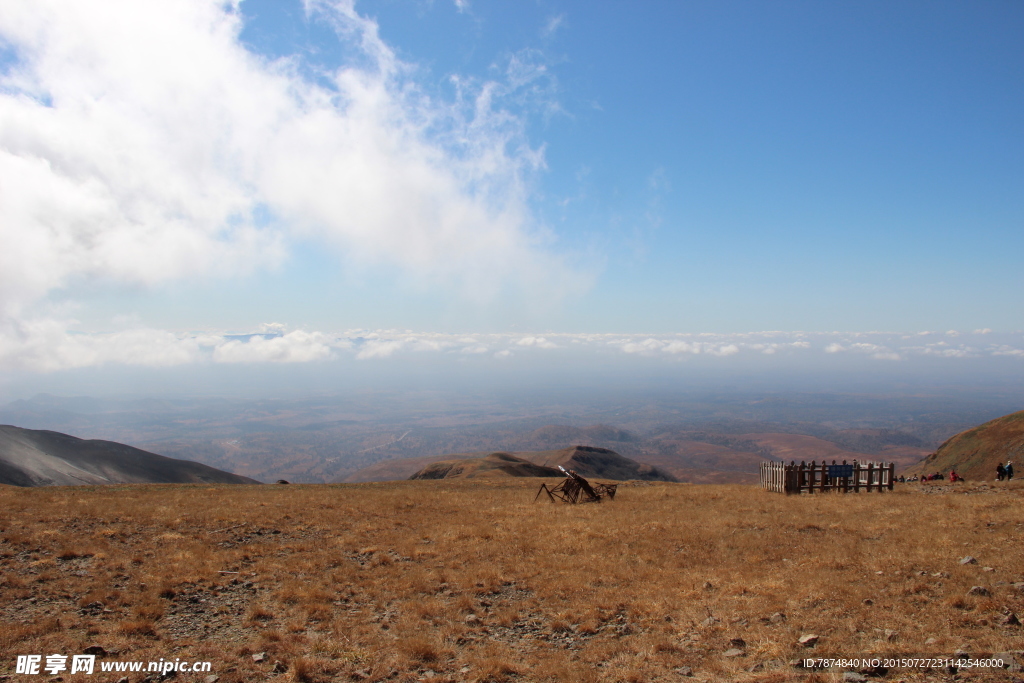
793,478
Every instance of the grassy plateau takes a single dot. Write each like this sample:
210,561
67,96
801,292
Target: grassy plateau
471,581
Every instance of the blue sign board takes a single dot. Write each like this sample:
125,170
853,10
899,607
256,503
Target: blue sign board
840,471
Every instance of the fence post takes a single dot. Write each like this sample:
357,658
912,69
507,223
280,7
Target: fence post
892,474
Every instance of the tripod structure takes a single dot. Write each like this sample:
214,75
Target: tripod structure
575,489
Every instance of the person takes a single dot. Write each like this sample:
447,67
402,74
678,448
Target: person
954,477
1009,470
1000,472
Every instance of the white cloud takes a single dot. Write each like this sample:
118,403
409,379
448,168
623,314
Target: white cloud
294,347
378,349
504,353
142,143
552,25
984,330
724,350
834,347
647,347
537,342
682,347
43,345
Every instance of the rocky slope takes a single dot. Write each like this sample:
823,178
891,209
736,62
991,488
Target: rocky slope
31,457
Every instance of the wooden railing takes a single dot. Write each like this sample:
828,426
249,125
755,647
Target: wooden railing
793,478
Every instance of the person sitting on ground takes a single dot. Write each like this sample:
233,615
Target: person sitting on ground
1000,472
1009,470
953,476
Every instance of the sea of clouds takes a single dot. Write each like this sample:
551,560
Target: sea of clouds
56,349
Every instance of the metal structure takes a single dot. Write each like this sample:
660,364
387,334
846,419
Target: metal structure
575,489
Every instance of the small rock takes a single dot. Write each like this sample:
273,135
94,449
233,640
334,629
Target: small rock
808,640
472,619
777,618
1010,662
854,677
968,560
708,586
931,641
95,650
259,657
879,573
988,569
1010,620
684,671
211,679
710,621
280,667
891,635
361,674
757,668
978,590
123,679
738,642
464,670
733,652
868,601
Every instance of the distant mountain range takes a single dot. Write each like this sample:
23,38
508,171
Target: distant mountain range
710,439
588,461
974,453
30,457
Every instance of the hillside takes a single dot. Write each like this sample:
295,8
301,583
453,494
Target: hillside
976,452
492,465
30,457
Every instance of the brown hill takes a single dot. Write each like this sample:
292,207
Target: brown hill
33,457
588,461
591,461
975,453
492,465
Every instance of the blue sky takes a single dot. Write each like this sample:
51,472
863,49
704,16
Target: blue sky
325,171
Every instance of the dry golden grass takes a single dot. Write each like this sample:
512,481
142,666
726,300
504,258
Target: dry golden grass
470,581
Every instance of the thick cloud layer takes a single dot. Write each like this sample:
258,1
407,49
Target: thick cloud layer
141,142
